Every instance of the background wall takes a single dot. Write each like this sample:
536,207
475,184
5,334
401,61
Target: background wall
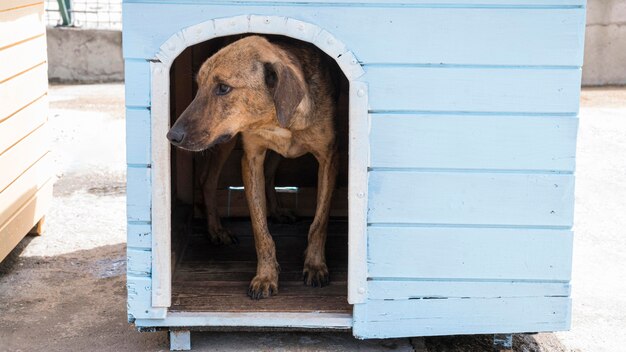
605,43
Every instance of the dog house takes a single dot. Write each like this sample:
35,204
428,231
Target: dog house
454,207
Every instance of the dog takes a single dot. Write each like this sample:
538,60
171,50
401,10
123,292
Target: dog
277,96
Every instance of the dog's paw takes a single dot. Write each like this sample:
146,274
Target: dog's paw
316,275
283,216
222,237
262,287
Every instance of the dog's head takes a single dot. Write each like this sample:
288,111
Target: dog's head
246,85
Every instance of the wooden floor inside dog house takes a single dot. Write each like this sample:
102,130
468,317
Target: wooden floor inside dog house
211,278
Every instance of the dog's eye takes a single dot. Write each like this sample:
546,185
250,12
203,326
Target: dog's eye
222,89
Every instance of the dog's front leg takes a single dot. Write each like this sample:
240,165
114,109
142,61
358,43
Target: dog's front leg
277,213
210,176
315,271
265,283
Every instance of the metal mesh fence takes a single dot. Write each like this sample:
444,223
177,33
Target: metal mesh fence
95,14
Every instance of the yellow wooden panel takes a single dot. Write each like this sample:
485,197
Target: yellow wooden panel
21,90
27,185
21,23
22,123
20,157
7,5
21,57
18,225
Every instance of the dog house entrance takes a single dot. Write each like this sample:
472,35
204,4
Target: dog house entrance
213,278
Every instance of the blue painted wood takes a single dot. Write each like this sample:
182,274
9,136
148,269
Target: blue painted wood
139,262
139,236
412,289
474,198
474,253
403,3
432,35
461,89
428,317
138,194
138,136
139,306
473,142
137,81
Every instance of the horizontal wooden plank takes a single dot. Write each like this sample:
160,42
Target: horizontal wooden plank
138,136
139,236
23,89
21,23
471,198
16,227
137,83
471,89
19,58
308,320
20,157
7,5
438,34
139,262
138,194
473,142
139,290
429,317
22,123
413,289
460,253
25,187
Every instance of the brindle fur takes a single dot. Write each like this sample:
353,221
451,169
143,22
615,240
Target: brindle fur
282,100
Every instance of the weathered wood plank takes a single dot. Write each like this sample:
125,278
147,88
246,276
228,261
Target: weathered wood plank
139,302
471,198
22,123
139,236
138,194
414,289
20,57
22,155
25,187
447,34
429,317
139,262
138,136
460,253
473,142
16,227
20,23
23,89
460,89
161,194
308,320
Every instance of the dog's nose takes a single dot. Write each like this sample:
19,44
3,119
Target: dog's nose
175,136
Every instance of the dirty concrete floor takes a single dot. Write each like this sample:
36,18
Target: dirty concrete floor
65,291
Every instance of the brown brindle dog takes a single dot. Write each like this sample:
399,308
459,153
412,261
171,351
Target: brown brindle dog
277,96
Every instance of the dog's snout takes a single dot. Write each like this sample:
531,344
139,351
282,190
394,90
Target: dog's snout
223,138
175,136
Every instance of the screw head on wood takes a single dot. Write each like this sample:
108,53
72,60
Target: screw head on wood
360,92
361,290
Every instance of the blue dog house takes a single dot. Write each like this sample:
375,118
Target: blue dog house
455,211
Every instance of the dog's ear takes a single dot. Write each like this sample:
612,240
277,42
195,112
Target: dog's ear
286,89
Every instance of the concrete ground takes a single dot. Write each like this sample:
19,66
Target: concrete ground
65,291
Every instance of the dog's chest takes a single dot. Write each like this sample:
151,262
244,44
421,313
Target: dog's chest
283,141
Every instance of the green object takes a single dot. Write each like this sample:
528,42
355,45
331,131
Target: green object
65,9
